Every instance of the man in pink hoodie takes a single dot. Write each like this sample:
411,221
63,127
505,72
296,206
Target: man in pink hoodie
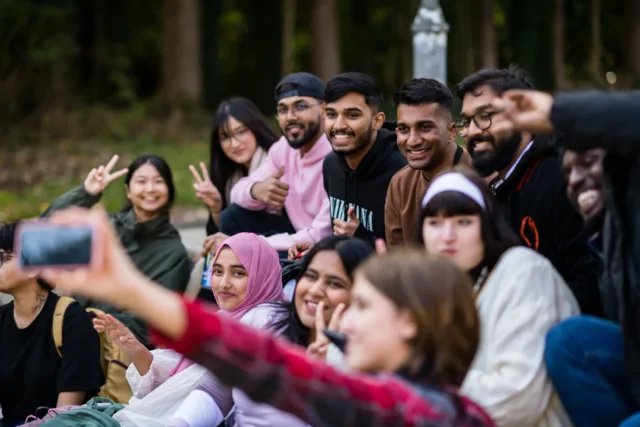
284,200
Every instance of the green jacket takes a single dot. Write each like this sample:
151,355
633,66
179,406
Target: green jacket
154,246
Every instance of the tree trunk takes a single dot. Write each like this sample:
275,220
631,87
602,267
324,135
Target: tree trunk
288,34
325,39
595,67
181,62
486,52
559,72
631,60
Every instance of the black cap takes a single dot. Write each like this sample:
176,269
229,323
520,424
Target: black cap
300,84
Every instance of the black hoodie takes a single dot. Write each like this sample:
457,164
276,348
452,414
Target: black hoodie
534,202
366,186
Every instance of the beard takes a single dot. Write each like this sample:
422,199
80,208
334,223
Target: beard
487,162
360,144
307,134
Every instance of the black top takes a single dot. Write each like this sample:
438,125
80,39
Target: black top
610,120
32,374
365,188
534,202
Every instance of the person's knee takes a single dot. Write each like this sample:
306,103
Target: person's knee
559,342
232,220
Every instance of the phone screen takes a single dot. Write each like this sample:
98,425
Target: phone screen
56,246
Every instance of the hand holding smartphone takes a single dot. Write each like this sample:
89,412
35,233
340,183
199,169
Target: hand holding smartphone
43,244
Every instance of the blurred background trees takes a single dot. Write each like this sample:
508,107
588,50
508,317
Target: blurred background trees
61,54
87,73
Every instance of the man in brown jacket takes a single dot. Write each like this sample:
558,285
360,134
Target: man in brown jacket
426,138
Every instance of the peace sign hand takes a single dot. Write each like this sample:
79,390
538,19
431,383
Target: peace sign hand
320,346
205,190
100,177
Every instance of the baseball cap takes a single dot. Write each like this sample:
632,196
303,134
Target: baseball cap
300,84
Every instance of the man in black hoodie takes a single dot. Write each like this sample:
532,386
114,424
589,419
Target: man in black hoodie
365,156
530,185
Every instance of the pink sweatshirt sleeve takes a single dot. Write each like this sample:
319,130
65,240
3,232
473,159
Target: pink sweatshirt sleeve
320,228
241,191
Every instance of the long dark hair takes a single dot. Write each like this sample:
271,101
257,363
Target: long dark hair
163,169
221,168
352,252
496,235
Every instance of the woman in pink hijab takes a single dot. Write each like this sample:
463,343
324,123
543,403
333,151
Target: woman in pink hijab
171,391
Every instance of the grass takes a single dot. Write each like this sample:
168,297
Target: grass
31,200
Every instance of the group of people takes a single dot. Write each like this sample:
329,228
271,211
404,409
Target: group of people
364,272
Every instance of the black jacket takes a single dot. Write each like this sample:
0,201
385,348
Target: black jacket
366,187
610,121
534,201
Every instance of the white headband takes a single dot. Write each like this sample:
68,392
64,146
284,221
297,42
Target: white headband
454,181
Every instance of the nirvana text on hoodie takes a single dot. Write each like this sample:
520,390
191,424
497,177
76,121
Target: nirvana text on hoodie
364,188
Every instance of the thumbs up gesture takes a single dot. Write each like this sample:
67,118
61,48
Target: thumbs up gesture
272,191
347,228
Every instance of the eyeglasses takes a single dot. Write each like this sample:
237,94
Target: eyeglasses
300,108
482,121
240,135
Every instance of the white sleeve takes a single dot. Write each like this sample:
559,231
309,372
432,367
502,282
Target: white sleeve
514,387
164,362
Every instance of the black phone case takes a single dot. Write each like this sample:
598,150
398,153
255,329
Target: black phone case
339,340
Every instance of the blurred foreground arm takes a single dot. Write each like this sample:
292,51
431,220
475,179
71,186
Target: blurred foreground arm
267,369
586,119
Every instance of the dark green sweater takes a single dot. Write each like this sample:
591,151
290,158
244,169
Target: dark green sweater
154,246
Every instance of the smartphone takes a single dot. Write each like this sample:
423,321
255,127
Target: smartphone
41,244
339,340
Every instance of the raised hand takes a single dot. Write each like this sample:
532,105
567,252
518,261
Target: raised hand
99,178
319,347
271,191
526,110
347,228
112,275
118,334
298,250
205,190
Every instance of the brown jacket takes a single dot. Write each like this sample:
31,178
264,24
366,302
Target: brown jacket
403,204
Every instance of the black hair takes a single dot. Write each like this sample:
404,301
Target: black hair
497,236
352,252
424,91
345,83
498,80
7,243
222,168
163,169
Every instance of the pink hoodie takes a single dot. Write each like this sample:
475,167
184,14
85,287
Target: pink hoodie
307,203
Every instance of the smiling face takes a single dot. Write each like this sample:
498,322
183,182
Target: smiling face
147,191
349,123
423,134
324,280
237,141
300,119
490,153
229,280
584,174
458,238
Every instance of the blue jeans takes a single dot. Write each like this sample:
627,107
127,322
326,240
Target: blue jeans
585,361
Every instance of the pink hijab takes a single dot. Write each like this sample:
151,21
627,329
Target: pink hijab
263,268
265,277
